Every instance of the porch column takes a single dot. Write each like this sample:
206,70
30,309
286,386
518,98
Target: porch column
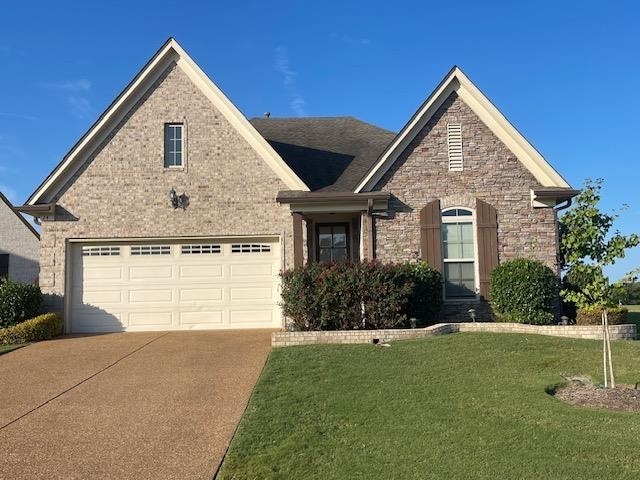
298,253
366,234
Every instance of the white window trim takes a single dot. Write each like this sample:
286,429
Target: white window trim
476,266
183,165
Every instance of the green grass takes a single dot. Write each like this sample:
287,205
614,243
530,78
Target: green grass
8,348
452,407
634,315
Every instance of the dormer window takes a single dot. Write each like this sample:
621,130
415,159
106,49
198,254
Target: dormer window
173,145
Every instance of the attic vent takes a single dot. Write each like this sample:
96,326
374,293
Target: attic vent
454,142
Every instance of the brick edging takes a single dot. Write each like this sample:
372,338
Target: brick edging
594,332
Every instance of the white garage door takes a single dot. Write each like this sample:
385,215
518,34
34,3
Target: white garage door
175,286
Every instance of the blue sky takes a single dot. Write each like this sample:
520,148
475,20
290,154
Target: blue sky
565,73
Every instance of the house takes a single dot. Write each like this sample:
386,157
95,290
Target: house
176,212
19,245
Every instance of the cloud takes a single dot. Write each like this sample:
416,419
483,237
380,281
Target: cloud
19,116
75,92
338,37
289,76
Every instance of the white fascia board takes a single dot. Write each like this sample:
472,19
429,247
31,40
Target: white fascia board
457,81
171,52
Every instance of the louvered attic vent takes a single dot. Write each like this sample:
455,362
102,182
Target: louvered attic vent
454,142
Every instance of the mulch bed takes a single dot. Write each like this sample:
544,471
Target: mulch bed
625,398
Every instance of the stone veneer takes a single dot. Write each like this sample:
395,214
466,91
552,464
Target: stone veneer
122,190
593,332
491,173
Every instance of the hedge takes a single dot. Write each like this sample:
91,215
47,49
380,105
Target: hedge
42,327
361,295
524,291
593,316
18,302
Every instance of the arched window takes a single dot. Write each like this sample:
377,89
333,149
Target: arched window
459,253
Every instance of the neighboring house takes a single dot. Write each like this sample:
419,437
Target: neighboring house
19,245
175,212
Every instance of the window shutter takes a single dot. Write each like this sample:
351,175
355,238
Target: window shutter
430,234
454,144
487,224
4,265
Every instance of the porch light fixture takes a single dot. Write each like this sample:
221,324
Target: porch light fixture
472,314
177,201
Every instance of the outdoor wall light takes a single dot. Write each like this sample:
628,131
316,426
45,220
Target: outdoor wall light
472,314
177,201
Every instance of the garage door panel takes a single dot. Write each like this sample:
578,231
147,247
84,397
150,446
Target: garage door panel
102,274
201,271
201,294
202,318
262,316
251,270
99,297
89,320
146,296
155,318
171,285
150,272
251,293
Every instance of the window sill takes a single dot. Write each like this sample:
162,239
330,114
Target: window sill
175,169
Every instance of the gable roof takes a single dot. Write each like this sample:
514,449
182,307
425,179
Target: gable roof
168,53
6,201
327,153
457,81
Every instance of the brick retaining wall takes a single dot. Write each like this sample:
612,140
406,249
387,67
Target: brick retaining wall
286,339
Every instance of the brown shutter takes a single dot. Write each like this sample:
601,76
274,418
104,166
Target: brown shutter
4,265
487,222
430,234
298,254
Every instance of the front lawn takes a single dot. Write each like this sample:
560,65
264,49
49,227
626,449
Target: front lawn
8,348
634,315
453,407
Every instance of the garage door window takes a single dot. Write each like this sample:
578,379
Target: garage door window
151,250
100,251
250,248
200,249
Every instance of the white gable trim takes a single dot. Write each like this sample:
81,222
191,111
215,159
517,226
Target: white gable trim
170,52
457,81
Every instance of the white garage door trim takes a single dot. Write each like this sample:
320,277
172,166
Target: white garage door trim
173,284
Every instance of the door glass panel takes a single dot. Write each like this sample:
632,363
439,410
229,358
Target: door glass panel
325,240
339,254
340,240
325,255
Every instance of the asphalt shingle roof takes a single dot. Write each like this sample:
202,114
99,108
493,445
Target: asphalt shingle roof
327,153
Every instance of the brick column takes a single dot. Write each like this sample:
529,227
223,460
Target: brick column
366,231
298,253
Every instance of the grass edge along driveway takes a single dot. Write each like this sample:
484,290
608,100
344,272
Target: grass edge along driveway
458,406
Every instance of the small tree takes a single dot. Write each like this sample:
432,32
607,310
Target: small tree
586,247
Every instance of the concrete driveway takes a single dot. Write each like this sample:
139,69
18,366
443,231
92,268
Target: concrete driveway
125,405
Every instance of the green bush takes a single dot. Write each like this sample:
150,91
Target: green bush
362,295
593,315
42,327
18,302
425,301
523,291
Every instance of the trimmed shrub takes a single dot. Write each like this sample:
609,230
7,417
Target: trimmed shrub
362,295
18,302
42,327
593,315
425,300
523,291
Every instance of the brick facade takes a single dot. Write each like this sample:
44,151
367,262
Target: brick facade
20,244
122,190
491,173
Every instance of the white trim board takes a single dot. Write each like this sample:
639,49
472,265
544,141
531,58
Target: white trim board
170,52
457,81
